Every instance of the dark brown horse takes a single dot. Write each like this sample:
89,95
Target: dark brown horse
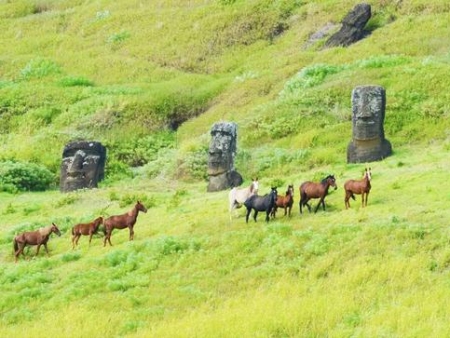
85,229
38,237
309,190
127,220
285,202
359,187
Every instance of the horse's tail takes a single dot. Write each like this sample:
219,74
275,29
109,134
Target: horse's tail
15,245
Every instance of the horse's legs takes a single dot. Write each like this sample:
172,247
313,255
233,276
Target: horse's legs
367,197
19,251
46,249
307,204
37,250
274,211
131,233
249,210
346,200
90,237
255,214
321,201
267,215
107,237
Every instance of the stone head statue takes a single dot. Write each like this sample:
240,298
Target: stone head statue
83,165
368,107
222,148
368,112
221,154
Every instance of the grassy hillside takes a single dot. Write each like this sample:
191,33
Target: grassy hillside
148,80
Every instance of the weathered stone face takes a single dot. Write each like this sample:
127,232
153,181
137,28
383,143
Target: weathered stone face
222,151
368,111
368,105
82,166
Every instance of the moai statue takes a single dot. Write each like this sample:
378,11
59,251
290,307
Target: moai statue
222,150
368,109
83,165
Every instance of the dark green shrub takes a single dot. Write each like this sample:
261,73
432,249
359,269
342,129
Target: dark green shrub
20,176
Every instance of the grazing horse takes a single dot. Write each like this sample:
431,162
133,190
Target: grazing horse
237,197
85,229
261,203
358,187
38,237
284,202
127,220
309,190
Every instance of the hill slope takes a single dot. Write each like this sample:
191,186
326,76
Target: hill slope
148,81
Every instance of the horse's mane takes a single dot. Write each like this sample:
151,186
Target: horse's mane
326,178
44,231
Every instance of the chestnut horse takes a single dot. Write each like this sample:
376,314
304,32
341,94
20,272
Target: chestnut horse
127,220
309,190
359,187
285,202
85,229
261,203
237,197
38,237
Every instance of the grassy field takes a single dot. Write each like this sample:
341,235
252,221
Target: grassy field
148,80
190,272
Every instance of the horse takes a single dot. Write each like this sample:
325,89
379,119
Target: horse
261,203
85,229
38,237
237,197
284,202
359,187
127,220
309,190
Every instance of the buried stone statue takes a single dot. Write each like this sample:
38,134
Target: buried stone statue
83,165
368,110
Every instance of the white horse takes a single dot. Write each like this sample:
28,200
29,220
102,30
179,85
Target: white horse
237,197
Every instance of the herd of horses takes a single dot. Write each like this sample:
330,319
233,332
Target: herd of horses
41,236
247,197
270,202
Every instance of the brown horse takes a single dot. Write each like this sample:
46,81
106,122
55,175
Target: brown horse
38,237
284,202
309,190
127,220
85,229
359,187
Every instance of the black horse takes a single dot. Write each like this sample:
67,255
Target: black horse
261,203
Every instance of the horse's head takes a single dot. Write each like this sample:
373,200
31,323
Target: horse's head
290,190
331,180
368,174
98,221
139,206
55,229
254,186
274,193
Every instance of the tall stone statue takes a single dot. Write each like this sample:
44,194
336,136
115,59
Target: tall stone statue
222,151
368,110
83,165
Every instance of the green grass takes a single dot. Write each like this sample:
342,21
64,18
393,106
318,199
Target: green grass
148,80
190,272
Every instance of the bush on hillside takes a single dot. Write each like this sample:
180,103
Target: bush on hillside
20,176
